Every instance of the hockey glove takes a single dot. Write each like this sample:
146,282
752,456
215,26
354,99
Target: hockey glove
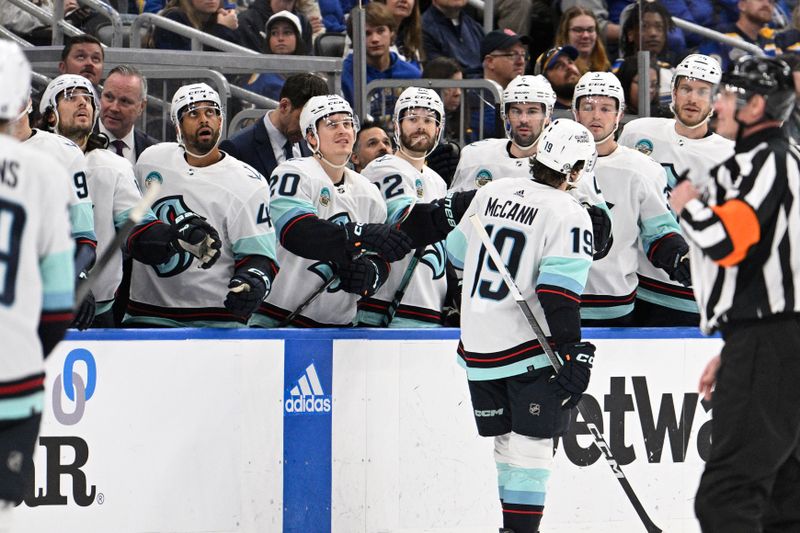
84,314
364,276
601,229
444,160
573,378
193,234
452,208
248,288
682,273
381,239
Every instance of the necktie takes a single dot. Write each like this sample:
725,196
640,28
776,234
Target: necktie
287,150
118,146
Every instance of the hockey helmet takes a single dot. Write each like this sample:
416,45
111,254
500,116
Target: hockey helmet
564,144
768,76
599,84
699,67
319,107
15,80
187,97
421,97
529,89
67,82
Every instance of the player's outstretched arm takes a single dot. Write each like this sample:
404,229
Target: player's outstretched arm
669,253
250,285
431,222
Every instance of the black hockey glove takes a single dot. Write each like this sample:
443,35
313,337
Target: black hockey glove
381,239
573,378
601,229
364,276
682,273
444,160
84,314
248,288
193,234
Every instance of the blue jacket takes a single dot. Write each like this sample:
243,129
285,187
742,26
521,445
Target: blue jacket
463,42
398,69
726,54
332,16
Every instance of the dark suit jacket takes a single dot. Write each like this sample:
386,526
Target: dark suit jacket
252,146
141,141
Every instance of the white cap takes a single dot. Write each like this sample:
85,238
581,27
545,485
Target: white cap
529,89
15,80
599,84
189,96
286,15
319,107
565,143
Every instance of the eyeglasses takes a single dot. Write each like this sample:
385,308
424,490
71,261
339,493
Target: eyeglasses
578,30
514,55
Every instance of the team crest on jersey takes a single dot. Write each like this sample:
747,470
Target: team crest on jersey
324,197
167,209
483,177
645,146
153,177
435,257
420,188
535,409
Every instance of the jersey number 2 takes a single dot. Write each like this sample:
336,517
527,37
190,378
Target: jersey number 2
505,237
12,221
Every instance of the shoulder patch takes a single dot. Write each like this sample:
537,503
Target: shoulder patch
153,177
483,177
324,197
645,146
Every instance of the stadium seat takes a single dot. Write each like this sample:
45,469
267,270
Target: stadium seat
330,45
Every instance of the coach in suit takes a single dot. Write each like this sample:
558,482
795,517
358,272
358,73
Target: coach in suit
277,136
122,102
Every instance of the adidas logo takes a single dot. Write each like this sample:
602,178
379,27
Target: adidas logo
307,396
520,193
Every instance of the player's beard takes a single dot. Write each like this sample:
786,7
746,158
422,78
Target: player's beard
197,146
420,146
74,132
528,139
691,123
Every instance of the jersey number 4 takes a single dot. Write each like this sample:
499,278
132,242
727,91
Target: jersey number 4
12,222
505,239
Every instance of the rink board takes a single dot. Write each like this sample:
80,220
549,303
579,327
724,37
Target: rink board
343,431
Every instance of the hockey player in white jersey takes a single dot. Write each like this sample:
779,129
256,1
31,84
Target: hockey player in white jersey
220,206
527,108
684,146
634,188
36,280
546,236
331,226
74,110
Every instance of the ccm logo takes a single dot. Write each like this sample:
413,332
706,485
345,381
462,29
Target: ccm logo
489,412
585,358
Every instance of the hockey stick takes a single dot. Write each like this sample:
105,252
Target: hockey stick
135,216
401,289
540,336
314,295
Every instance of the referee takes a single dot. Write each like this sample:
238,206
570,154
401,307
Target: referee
744,227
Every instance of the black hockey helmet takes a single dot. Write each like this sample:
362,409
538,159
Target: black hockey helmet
768,76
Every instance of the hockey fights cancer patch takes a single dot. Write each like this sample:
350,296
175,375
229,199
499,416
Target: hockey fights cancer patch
483,177
153,177
420,188
324,197
645,146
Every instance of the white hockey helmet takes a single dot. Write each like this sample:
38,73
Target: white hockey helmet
414,97
564,144
187,97
599,84
15,80
67,82
319,107
699,67
529,89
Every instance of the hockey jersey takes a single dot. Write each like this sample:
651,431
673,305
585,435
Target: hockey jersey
545,238
301,187
36,268
634,187
423,302
234,198
114,192
71,157
679,155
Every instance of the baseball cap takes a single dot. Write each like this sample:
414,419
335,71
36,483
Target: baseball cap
546,60
288,16
500,40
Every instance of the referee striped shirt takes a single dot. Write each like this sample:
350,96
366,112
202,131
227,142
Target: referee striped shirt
745,234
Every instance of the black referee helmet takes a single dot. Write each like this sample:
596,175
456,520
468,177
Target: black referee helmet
768,76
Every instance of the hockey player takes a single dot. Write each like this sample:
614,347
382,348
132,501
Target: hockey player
547,237
527,107
74,110
633,185
685,146
36,280
330,221
201,183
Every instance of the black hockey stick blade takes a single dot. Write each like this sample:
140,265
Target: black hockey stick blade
401,289
135,216
314,295
551,356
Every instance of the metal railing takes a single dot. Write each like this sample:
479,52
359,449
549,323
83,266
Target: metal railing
55,20
717,36
112,15
197,37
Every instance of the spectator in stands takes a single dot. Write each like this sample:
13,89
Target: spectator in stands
83,55
609,31
788,40
408,38
448,31
277,137
382,63
122,102
792,125
253,23
697,11
514,15
333,17
579,28
628,75
372,142
752,27
445,68
205,15
558,66
284,38
34,30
